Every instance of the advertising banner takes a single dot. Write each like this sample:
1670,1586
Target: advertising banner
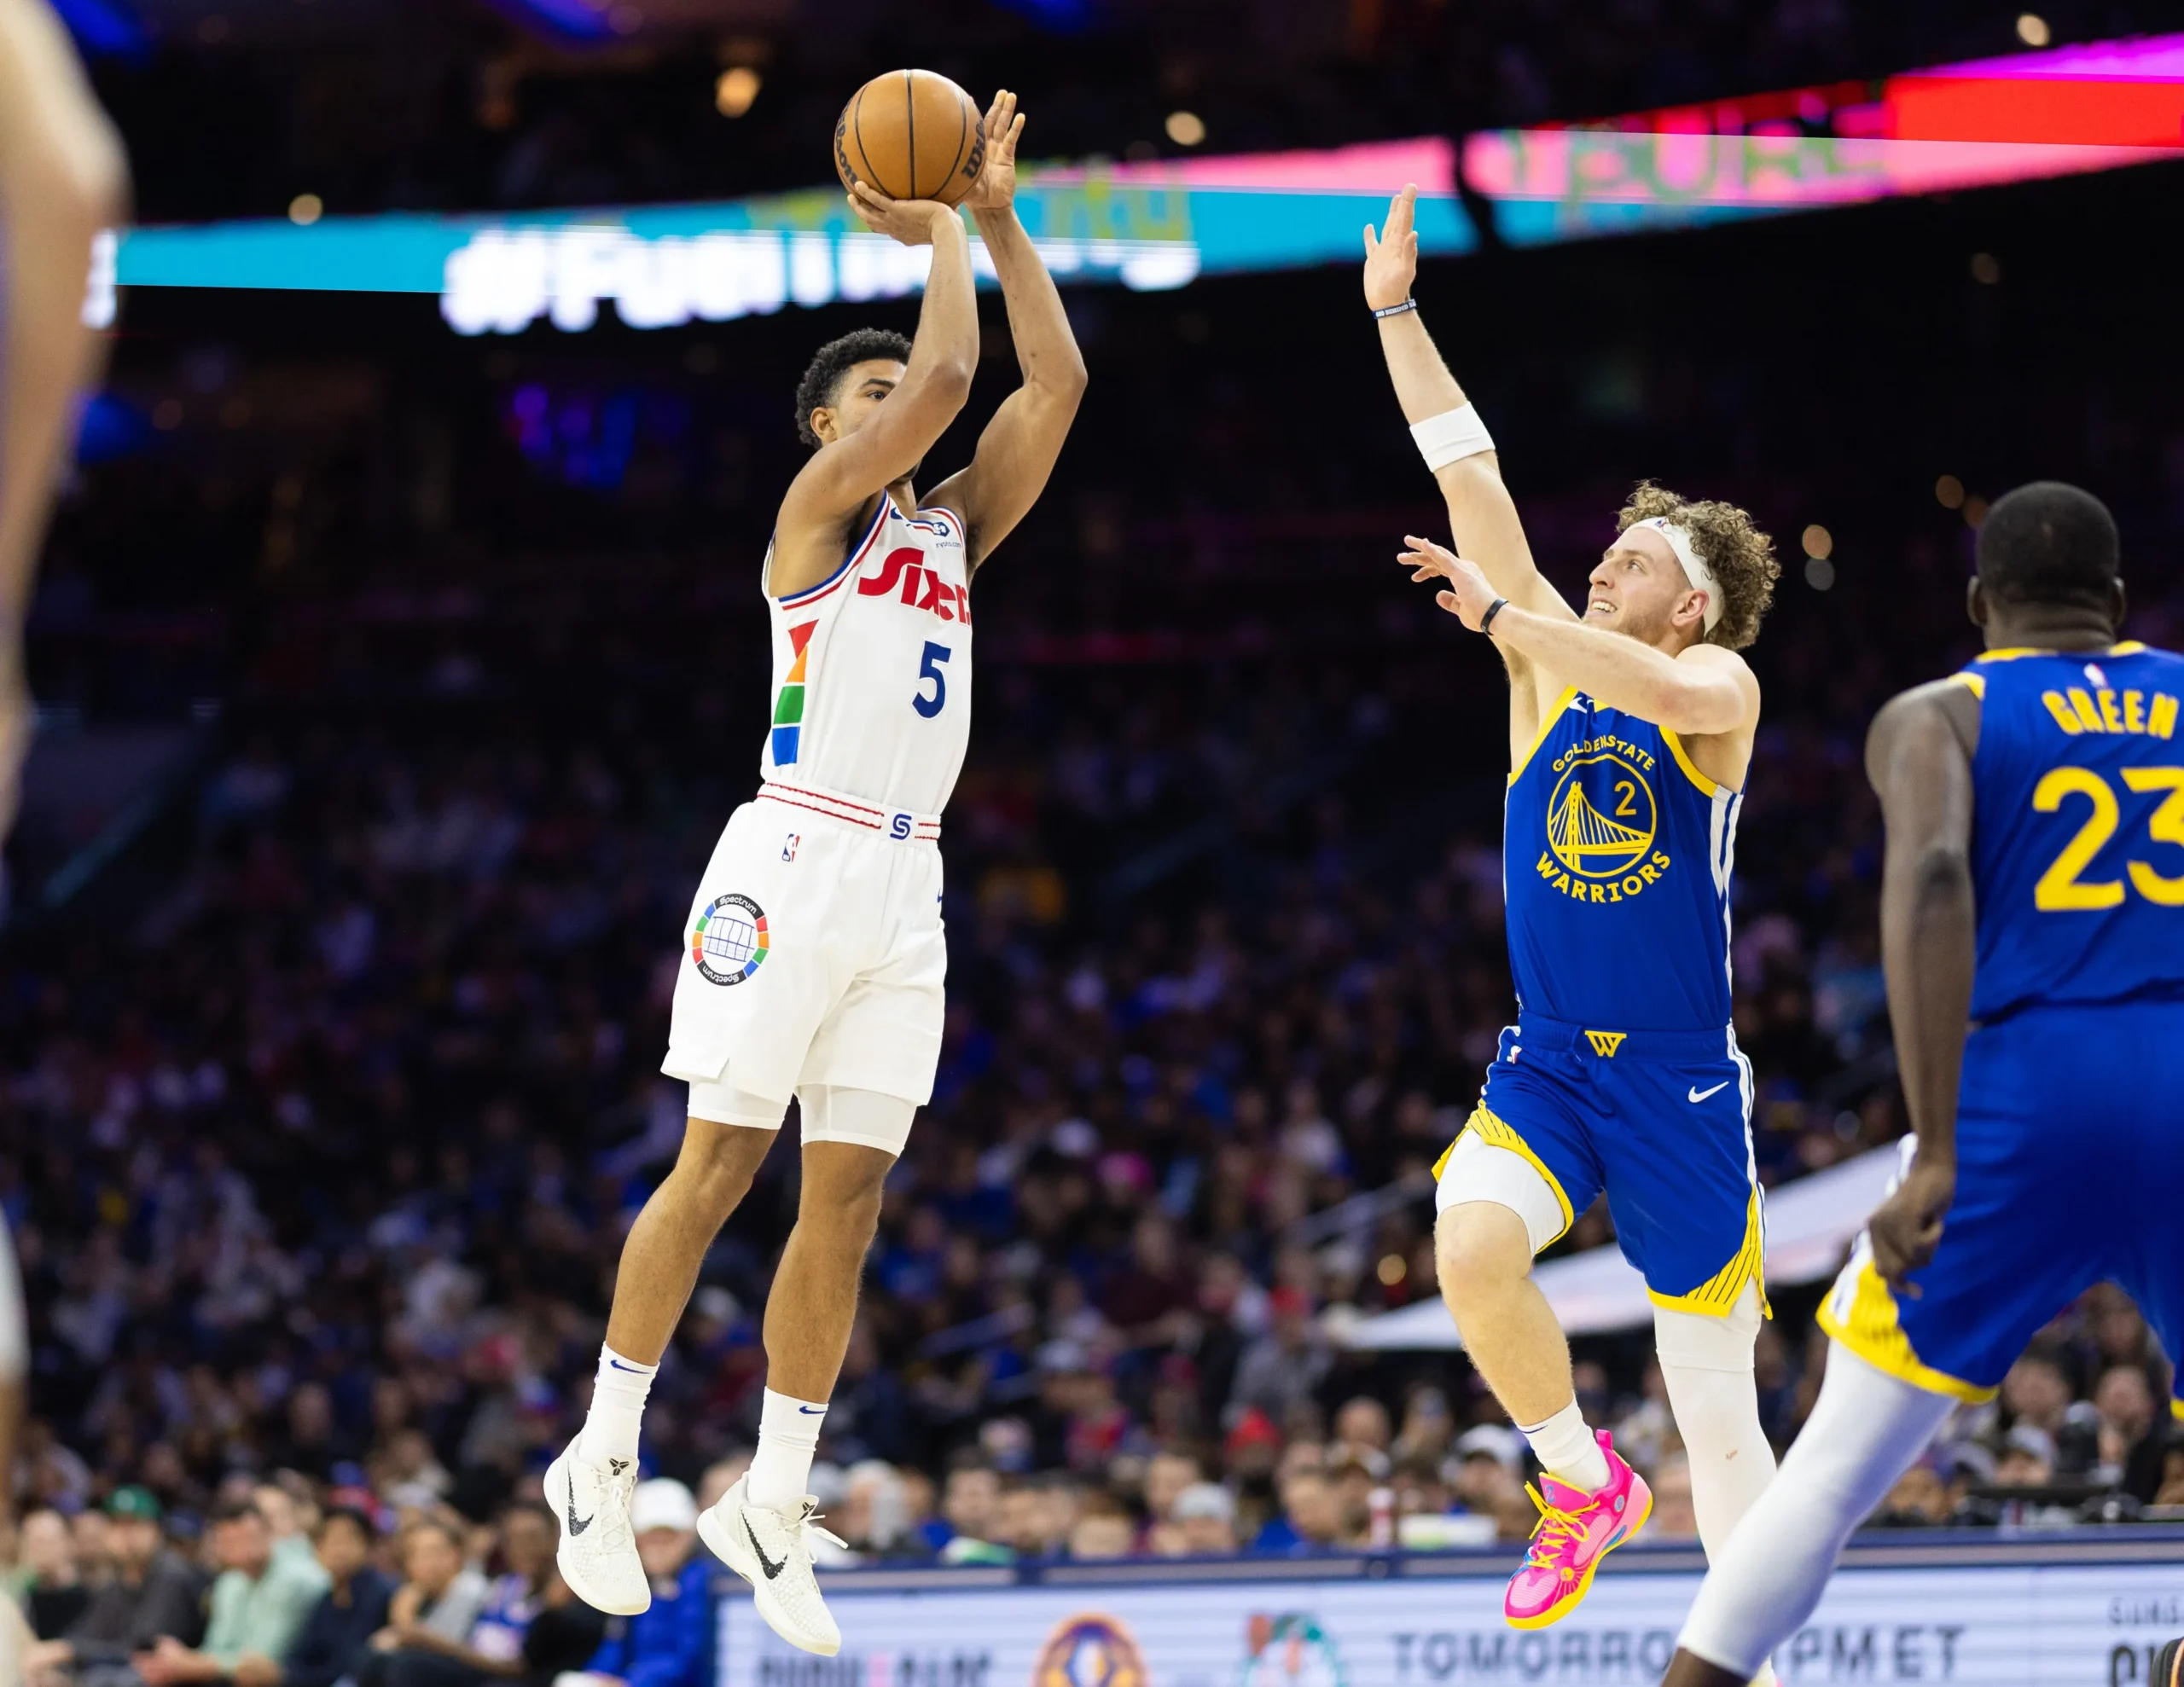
1999,1626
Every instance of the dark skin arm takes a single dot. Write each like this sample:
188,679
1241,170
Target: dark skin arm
1919,757
833,492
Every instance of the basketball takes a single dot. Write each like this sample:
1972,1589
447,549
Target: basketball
913,135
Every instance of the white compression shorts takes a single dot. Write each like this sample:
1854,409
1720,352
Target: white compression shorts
831,1113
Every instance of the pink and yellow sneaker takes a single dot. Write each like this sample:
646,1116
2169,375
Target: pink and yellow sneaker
1576,1531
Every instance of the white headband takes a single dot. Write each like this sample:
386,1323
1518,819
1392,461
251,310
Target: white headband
1694,565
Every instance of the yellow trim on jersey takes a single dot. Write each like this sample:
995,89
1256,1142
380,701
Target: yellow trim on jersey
1974,683
1706,786
1492,1131
1874,1331
2128,647
1717,1296
1546,720
2176,1410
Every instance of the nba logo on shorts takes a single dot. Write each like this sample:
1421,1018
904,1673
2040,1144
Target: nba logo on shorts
731,940
899,827
788,845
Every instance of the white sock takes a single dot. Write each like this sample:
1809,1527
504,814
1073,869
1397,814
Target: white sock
1865,1430
618,1408
1566,1451
789,1436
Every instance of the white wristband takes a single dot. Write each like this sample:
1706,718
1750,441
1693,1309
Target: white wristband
1451,437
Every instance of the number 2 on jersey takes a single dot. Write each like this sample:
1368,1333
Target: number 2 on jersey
929,668
2060,890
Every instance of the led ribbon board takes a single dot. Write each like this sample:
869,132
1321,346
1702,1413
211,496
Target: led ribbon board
1160,225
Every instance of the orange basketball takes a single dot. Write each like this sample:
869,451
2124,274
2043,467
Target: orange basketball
913,135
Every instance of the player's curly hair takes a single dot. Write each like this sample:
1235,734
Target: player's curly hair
822,380
1737,552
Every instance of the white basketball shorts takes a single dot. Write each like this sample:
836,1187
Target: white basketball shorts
814,953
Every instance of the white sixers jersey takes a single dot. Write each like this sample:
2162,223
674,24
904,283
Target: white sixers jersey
872,668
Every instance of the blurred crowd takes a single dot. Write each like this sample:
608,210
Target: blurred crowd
324,1110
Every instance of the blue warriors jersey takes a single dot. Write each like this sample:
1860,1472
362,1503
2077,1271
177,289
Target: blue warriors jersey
2077,841
1616,861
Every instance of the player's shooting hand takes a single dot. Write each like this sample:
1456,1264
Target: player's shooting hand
1906,1227
1391,255
1468,596
912,222
995,187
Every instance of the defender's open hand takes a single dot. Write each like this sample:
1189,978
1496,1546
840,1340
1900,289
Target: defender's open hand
1468,596
1391,255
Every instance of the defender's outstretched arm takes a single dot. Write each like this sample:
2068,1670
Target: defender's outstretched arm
1482,516
842,474
1018,450
1704,690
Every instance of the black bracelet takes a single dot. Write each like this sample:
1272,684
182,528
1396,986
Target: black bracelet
1387,310
1486,621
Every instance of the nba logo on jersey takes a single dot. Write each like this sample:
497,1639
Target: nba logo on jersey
788,845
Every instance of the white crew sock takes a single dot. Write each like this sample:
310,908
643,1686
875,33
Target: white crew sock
1865,1430
1565,1449
789,1436
618,1408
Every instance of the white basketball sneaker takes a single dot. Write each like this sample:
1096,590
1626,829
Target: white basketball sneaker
772,1550
598,1554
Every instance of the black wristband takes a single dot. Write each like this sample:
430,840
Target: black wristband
1385,311
1486,621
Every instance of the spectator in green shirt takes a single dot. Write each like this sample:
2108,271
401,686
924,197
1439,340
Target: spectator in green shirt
258,1603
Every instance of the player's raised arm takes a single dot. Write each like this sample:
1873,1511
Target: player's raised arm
1482,516
1919,757
845,472
1702,690
1017,451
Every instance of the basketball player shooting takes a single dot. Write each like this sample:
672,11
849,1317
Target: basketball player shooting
1630,732
814,959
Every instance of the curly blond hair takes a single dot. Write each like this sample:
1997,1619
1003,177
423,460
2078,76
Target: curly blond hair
1741,554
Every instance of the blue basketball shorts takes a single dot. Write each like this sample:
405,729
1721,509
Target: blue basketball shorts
1658,1120
2070,1166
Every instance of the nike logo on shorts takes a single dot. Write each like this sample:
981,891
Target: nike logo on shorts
1698,1094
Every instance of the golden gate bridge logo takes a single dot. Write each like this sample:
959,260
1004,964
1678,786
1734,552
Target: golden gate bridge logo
1601,820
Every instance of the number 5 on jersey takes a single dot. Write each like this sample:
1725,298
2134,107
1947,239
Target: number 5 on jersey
936,654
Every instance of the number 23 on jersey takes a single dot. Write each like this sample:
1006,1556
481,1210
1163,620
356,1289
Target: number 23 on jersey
2062,888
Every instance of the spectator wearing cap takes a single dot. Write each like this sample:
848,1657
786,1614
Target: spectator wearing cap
1283,1369
1205,1520
1488,1479
667,1645
337,1634
154,1595
2027,1458
1253,1445
258,1603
